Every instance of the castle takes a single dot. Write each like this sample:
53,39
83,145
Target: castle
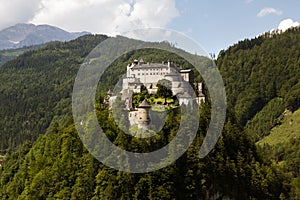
140,74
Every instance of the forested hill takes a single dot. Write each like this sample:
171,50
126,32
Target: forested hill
52,163
32,85
258,70
262,78
10,54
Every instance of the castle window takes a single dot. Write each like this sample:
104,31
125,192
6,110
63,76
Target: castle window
150,73
138,74
142,73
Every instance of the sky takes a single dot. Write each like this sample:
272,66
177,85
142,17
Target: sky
213,24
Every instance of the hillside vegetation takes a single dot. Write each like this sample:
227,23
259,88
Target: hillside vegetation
45,158
287,131
7,55
282,146
258,70
32,85
262,78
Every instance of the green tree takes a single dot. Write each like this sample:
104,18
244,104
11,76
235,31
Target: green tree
164,89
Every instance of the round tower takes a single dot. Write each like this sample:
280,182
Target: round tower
143,114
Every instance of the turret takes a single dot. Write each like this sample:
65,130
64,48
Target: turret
201,96
143,114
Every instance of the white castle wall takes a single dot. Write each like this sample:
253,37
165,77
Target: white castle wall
139,73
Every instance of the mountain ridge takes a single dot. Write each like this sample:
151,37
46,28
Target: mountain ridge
22,34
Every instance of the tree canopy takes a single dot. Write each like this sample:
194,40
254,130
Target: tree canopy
45,158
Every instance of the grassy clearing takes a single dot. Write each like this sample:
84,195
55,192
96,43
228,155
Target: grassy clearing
288,130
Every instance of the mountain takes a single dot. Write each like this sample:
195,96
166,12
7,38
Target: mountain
45,158
262,78
258,70
21,35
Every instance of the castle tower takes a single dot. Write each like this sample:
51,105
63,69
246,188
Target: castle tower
143,115
201,96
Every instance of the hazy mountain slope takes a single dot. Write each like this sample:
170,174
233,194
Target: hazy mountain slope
22,35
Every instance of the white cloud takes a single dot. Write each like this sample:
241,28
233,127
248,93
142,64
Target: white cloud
105,16
266,11
98,16
287,23
283,26
17,11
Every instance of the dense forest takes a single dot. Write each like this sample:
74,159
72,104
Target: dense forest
33,84
262,78
45,158
10,54
259,70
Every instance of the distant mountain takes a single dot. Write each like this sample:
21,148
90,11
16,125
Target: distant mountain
22,35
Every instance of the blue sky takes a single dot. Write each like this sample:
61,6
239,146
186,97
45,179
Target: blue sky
214,24
218,24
